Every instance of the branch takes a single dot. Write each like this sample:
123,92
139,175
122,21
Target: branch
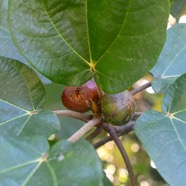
95,133
76,136
121,148
122,130
141,88
137,114
70,113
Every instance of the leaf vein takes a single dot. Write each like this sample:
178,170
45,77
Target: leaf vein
8,103
12,119
177,133
24,124
86,9
173,60
32,173
124,19
18,166
62,35
53,173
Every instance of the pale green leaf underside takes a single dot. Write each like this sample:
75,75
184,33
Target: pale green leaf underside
171,63
8,49
29,161
70,42
22,95
7,46
163,134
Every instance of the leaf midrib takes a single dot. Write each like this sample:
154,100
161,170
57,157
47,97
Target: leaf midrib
18,166
52,172
178,135
15,118
8,103
173,60
124,20
61,36
88,37
31,174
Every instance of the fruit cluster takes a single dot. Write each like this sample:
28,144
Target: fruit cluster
117,109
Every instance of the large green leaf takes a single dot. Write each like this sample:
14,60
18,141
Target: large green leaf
117,42
163,134
29,161
22,97
171,63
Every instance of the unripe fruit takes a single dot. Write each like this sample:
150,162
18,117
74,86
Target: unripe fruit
82,98
118,109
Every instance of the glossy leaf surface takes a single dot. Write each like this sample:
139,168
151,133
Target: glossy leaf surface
72,41
163,134
7,46
171,63
22,97
29,161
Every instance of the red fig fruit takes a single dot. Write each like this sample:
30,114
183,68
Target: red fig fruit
82,98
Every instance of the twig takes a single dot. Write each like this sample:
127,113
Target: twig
125,129
137,114
69,113
76,136
95,133
102,142
141,88
121,148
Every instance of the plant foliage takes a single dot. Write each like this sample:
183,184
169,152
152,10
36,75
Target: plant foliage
69,42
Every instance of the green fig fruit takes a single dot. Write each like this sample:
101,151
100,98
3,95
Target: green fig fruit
118,109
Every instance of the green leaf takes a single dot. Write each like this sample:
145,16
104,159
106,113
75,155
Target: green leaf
163,134
29,161
117,42
171,63
7,46
3,13
22,96
43,123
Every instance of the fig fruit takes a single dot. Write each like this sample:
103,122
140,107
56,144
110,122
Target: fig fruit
118,109
82,98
